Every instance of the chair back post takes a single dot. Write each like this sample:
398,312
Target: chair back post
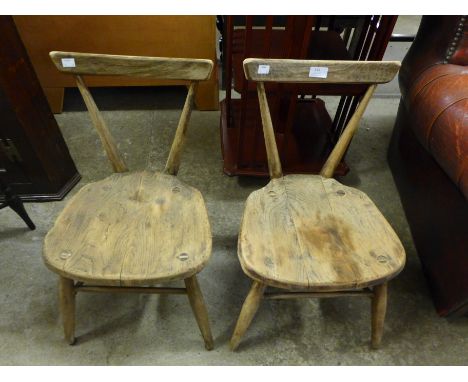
274,163
117,162
173,160
184,69
341,146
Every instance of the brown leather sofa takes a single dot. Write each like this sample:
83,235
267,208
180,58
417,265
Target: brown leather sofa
428,156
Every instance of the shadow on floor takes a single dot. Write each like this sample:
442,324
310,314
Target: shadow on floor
128,98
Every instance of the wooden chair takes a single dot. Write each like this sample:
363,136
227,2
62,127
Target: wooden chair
310,234
132,230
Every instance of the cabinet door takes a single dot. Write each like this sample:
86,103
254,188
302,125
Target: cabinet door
11,158
32,149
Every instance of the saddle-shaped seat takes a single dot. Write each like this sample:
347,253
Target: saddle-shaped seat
307,232
138,228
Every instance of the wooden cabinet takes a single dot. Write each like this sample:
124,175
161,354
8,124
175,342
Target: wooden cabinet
168,36
34,159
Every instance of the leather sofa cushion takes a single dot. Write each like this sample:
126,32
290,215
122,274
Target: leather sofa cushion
438,105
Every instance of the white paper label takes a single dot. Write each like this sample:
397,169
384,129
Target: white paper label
263,69
68,62
318,72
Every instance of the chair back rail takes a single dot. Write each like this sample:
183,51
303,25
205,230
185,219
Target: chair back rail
320,71
189,69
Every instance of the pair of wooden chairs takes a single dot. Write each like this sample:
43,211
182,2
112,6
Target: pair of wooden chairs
307,234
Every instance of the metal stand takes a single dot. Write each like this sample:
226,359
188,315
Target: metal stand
14,202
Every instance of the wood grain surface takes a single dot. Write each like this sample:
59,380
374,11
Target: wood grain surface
309,232
190,69
130,229
282,70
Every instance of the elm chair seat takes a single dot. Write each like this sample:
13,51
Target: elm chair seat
306,232
129,229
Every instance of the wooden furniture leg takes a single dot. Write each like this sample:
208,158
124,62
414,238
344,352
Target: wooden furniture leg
207,96
67,308
55,98
247,313
199,310
379,308
15,203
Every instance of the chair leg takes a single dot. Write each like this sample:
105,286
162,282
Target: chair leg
67,308
247,313
199,310
379,308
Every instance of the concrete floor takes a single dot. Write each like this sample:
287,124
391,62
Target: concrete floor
161,330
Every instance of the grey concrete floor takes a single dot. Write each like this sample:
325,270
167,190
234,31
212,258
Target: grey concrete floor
161,330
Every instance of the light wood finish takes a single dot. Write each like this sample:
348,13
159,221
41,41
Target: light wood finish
309,234
379,308
291,295
132,229
191,37
199,310
274,164
107,140
135,228
247,313
173,160
55,98
351,72
67,308
341,146
134,66
143,290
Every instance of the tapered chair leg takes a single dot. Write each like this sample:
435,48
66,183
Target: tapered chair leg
247,313
67,308
199,310
379,308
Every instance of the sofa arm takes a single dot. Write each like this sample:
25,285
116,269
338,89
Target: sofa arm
437,105
440,40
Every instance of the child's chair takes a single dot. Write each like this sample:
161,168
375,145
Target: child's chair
132,230
309,234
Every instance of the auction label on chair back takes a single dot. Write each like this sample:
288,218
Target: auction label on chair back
68,62
318,72
263,69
